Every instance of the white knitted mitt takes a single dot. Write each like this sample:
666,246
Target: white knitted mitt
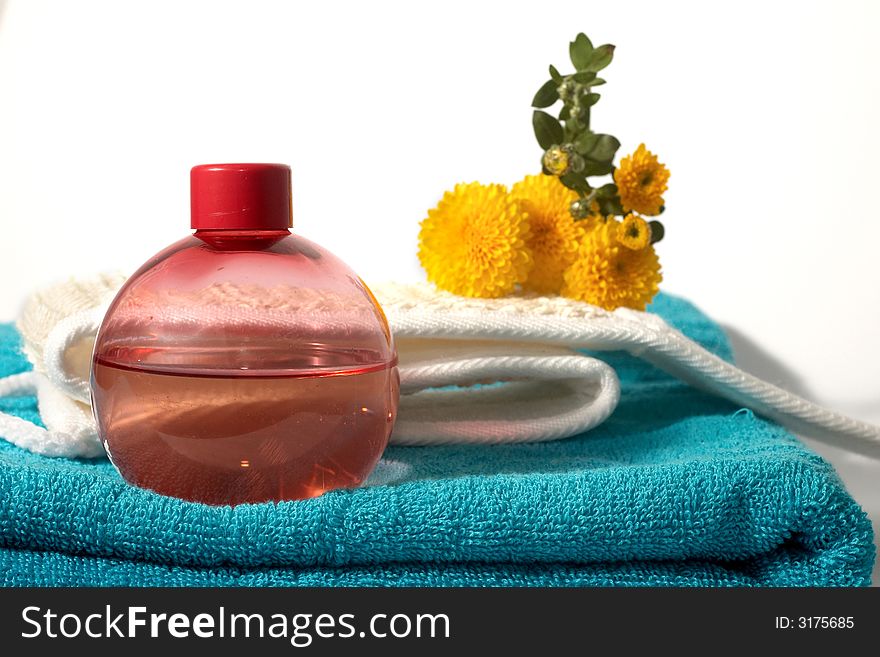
552,391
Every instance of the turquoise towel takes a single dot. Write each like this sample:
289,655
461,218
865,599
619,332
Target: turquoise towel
677,488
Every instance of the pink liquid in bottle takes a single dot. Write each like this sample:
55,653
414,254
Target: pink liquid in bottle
244,363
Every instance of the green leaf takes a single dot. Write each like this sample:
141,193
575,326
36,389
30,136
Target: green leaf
565,113
576,181
580,50
590,99
596,82
657,231
555,75
547,95
585,142
584,77
608,190
610,205
604,149
593,168
600,58
548,130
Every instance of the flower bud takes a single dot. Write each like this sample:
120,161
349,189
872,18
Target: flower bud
580,208
556,160
568,90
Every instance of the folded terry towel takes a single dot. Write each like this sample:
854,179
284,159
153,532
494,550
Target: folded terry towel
676,488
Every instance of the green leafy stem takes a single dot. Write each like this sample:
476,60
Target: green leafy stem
569,138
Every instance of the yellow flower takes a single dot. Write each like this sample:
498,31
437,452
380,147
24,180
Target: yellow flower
609,275
641,181
634,233
474,242
554,232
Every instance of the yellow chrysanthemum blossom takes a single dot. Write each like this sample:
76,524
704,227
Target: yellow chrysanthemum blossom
634,232
554,232
474,242
641,181
608,275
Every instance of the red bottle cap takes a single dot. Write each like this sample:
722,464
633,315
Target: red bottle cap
240,197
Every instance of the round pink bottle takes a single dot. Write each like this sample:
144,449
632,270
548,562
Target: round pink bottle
244,363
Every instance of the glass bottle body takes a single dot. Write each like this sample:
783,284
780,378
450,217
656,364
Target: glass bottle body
244,366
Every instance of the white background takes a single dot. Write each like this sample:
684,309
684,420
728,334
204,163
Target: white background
765,112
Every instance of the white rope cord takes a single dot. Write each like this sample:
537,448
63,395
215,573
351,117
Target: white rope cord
693,364
650,338
79,441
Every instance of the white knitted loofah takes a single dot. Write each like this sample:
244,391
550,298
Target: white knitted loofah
442,340
553,392
48,306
